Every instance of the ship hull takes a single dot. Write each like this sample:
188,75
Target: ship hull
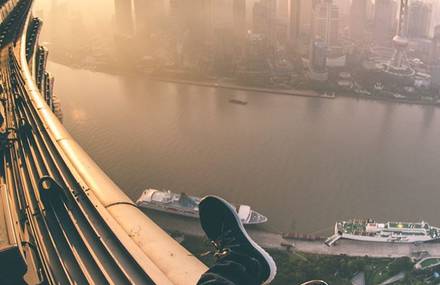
389,232
185,213
184,205
392,239
170,210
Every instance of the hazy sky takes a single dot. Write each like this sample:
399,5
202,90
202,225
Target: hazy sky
105,8
99,8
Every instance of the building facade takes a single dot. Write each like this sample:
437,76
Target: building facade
358,19
419,22
124,17
264,19
326,22
148,15
385,12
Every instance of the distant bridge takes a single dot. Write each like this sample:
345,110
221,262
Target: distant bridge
62,220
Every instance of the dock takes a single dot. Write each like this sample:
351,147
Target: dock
270,240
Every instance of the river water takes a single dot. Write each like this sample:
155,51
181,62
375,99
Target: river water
302,162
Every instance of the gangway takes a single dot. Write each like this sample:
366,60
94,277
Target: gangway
332,240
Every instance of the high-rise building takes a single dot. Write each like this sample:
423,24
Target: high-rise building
193,18
435,58
300,24
222,13
148,15
124,17
343,5
239,12
419,22
358,19
264,19
370,11
295,21
435,14
384,20
283,9
326,22
318,60
435,49
318,56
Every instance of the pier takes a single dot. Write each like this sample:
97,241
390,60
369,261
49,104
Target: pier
271,240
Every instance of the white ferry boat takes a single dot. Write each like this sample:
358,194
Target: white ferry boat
184,205
328,96
238,101
372,231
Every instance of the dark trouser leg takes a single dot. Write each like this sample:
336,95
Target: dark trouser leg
233,270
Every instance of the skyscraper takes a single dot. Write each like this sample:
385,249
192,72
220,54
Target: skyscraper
419,22
435,49
239,11
295,21
326,22
435,58
223,14
283,9
305,24
124,17
192,17
318,60
264,19
148,15
358,19
384,20
343,5
318,56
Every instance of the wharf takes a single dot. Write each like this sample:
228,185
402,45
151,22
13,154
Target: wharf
270,240
237,87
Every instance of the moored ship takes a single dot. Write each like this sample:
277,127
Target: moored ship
185,205
371,231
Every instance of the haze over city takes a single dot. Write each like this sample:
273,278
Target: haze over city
176,141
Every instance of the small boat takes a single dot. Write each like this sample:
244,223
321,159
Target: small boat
185,205
328,96
393,232
238,101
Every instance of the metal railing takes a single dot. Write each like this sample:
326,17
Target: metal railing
162,258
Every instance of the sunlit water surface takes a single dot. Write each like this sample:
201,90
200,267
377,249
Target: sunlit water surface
302,162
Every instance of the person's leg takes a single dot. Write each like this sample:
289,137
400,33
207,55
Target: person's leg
232,270
240,260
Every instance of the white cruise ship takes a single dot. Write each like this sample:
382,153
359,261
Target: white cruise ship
372,231
184,205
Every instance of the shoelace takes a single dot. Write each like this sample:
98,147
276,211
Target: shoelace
222,246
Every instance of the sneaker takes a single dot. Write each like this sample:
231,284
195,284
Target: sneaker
223,227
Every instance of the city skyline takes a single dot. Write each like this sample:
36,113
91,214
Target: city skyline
318,119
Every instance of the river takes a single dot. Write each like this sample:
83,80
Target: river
302,162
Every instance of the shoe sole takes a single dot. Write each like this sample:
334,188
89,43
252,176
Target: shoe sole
266,256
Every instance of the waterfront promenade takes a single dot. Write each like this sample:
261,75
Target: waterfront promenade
270,240
237,87
291,91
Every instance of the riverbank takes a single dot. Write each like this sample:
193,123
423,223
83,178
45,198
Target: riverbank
236,87
214,83
275,241
299,261
391,100
294,92
299,267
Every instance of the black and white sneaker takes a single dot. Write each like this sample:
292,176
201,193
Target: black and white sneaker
223,227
